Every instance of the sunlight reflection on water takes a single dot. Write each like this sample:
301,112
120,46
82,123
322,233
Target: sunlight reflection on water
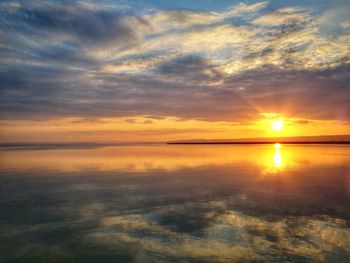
171,157
164,203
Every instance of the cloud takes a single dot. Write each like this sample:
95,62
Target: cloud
243,9
31,91
161,21
282,17
190,69
93,60
216,42
9,5
68,34
89,27
345,24
185,19
302,122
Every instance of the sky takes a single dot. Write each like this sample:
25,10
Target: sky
138,70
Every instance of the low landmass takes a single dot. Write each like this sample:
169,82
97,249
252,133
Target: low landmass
324,139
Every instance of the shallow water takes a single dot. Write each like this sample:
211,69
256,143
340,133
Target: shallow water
171,203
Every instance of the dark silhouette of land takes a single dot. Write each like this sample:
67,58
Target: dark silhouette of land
282,142
324,139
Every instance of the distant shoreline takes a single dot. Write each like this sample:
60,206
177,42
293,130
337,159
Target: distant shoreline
270,142
50,146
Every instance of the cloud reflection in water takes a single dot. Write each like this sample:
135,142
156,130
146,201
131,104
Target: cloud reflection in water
163,203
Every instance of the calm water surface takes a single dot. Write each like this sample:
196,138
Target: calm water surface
169,203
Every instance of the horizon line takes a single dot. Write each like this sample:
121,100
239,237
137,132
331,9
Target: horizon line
97,145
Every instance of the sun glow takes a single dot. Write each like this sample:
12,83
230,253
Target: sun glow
277,125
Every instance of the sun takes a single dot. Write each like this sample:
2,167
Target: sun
277,125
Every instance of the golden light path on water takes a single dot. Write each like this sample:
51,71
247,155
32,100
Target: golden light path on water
278,157
272,158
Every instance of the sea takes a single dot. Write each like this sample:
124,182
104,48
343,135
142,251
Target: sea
175,203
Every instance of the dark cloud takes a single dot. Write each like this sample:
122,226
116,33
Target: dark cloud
35,92
302,122
85,25
63,54
190,68
64,35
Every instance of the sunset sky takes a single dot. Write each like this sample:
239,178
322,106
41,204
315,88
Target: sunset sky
157,70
